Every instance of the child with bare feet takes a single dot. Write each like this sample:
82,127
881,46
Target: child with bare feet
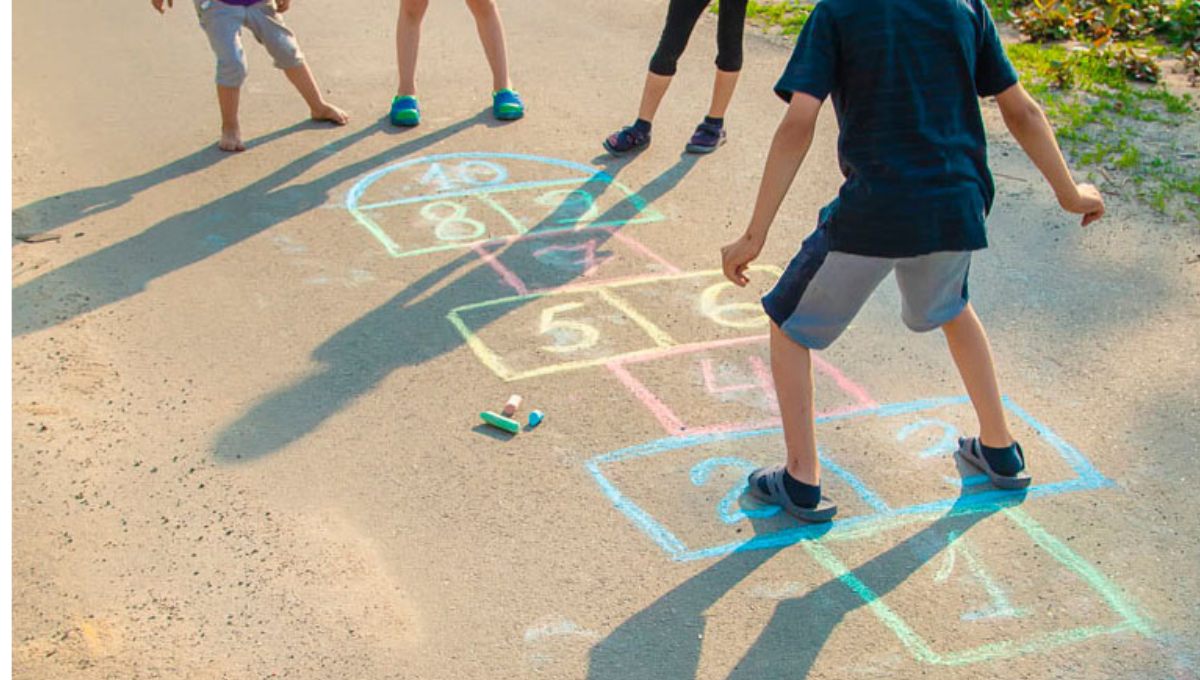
222,21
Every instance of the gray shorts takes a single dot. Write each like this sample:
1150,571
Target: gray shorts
821,290
223,25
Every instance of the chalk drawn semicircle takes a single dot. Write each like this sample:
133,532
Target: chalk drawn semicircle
505,181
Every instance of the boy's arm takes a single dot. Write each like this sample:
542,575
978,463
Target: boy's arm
1027,123
788,149
282,6
158,5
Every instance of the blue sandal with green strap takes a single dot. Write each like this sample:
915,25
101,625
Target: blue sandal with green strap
507,105
405,111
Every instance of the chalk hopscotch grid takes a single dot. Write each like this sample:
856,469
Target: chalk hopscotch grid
663,341
1088,479
813,537
673,424
521,288
1129,620
360,211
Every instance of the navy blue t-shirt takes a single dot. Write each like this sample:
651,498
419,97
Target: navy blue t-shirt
905,77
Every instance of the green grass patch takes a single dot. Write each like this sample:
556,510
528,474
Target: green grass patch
1101,119
788,15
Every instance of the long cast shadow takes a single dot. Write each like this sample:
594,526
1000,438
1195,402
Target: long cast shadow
410,329
124,269
664,640
51,213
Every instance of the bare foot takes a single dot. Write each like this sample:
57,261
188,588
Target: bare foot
330,113
231,140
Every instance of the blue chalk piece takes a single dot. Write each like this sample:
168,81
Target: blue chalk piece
535,418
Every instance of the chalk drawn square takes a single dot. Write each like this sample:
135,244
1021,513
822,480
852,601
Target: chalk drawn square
686,492
540,262
1010,587
703,306
450,201
723,386
577,327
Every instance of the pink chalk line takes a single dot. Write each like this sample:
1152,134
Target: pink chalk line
514,281
673,424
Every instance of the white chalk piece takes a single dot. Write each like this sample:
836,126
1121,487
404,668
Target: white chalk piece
514,403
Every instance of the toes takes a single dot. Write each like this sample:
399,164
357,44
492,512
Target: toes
333,115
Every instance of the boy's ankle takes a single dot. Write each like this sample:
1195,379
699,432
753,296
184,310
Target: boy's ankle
997,442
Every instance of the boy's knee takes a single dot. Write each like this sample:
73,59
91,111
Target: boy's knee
231,71
929,320
413,9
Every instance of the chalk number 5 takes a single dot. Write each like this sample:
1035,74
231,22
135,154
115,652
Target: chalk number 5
587,335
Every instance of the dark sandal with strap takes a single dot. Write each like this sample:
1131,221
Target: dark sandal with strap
968,450
706,139
776,494
626,140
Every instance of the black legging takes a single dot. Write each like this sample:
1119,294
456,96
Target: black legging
681,19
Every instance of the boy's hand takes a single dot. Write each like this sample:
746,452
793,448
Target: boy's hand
158,5
1086,201
282,6
737,256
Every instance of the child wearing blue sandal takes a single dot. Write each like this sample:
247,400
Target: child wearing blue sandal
506,103
905,78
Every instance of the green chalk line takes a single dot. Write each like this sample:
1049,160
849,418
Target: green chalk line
1098,581
917,646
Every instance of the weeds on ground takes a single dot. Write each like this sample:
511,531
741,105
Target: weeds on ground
788,15
1108,124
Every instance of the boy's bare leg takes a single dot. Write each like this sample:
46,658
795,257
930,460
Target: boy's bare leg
491,34
791,368
652,94
408,39
973,355
723,86
231,134
302,79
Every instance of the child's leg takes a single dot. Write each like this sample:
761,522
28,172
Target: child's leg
408,39
231,135
491,34
682,16
731,24
222,25
791,369
723,86
302,79
268,27
934,290
652,94
973,355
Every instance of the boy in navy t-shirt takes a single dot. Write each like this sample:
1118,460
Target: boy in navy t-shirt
905,79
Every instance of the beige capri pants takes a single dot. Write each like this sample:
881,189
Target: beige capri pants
223,24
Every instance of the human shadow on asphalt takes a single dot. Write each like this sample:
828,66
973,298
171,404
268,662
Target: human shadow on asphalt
411,328
58,211
125,268
664,640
